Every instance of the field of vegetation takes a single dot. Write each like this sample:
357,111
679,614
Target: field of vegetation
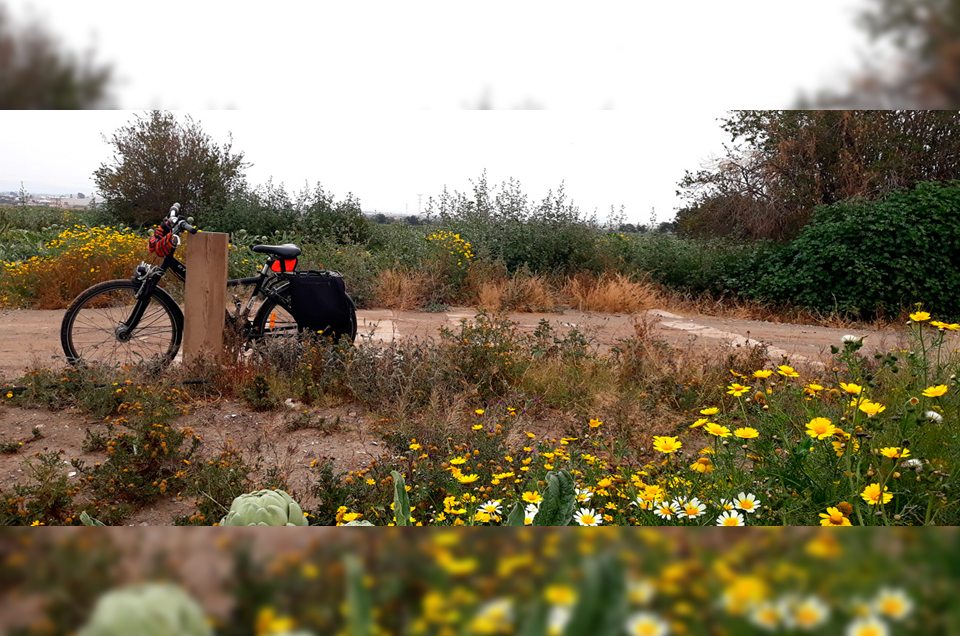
553,582
486,420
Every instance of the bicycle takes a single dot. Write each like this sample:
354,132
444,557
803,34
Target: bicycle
135,322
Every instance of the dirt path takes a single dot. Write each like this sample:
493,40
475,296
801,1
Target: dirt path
32,337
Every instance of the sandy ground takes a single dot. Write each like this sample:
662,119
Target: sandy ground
31,338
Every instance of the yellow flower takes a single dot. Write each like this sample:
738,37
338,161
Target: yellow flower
479,411
874,496
935,391
477,427
787,372
467,479
710,411
747,433
665,444
871,408
820,428
834,517
414,446
700,422
852,389
702,465
737,390
919,316
594,423
762,374
812,389
895,452
716,429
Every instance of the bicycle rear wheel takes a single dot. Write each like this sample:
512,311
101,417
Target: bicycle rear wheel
275,320
89,331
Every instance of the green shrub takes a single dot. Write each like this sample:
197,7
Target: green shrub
869,258
552,236
263,210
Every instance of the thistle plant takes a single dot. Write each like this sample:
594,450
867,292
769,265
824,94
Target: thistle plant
156,609
264,508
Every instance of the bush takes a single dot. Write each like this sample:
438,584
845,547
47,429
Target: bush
260,211
870,258
550,237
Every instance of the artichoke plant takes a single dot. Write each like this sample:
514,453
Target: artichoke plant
264,508
154,609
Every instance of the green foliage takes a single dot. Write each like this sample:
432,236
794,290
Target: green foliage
258,212
401,502
550,237
259,395
156,609
264,508
342,221
559,500
785,163
868,258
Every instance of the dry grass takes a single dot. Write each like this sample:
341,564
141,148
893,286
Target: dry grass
530,293
407,290
611,293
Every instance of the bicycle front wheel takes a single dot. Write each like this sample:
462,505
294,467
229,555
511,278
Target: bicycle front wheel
91,331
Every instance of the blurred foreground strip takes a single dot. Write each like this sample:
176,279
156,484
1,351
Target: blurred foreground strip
536,582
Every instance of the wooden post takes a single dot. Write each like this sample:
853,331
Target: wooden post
205,296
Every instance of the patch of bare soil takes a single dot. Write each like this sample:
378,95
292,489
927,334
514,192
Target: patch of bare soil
263,438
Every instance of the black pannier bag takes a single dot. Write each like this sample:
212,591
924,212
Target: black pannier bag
319,302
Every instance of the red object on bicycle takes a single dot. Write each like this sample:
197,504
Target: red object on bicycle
287,265
161,243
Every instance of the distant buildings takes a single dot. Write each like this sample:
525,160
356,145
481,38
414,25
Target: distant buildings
62,201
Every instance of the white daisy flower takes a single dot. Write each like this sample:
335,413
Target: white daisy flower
851,338
933,416
584,495
646,624
868,626
640,591
747,503
692,509
806,613
730,518
766,616
529,513
491,507
665,511
587,517
893,604
557,619
726,505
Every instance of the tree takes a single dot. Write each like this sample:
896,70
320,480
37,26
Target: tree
783,164
925,69
35,73
159,161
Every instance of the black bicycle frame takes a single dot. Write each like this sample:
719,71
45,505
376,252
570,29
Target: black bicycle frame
176,266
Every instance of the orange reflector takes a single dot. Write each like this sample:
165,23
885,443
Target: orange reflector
273,319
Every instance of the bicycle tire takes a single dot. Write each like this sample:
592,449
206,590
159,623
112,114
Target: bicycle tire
275,319
88,331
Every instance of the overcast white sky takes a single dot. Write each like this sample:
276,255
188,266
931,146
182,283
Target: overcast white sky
336,92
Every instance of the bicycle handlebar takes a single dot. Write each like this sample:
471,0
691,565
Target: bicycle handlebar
178,225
